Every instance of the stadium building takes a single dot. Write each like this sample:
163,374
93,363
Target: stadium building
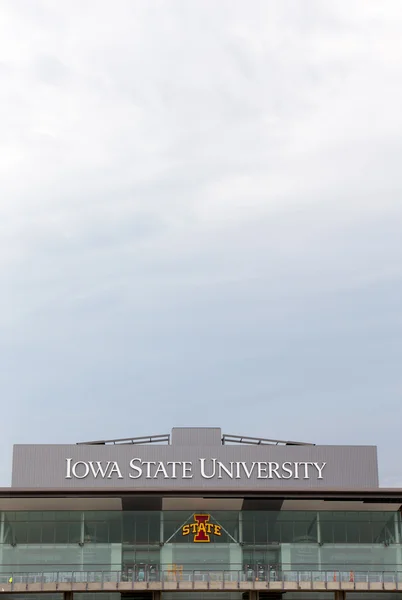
201,515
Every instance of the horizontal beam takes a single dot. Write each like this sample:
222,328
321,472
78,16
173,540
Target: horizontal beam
382,495
195,586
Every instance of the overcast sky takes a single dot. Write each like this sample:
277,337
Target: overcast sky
201,221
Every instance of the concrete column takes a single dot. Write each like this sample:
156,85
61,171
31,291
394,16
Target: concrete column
68,596
255,595
339,595
157,595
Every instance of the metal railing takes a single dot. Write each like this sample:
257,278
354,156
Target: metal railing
212,578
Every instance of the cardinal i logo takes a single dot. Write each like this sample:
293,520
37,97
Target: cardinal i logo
202,528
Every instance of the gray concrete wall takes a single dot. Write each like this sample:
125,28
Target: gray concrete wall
199,467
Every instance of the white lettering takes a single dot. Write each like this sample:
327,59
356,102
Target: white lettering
136,468
98,469
247,472
203,473
174,465
187,467
273,468
287,469
115,469
306,466
68,472
319,469
149,463
161,469
221,467
209,468
86,470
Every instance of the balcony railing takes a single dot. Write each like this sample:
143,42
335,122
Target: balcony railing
200,580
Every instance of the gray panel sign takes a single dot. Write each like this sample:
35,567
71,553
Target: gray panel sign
194,467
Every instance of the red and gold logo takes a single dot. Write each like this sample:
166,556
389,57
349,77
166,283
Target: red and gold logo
202,528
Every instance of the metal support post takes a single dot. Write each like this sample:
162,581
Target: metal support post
161,528
68,595
319,540
82,541
397,521
339,595
1,537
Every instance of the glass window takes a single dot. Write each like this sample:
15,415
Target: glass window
48,532
248,528
62,533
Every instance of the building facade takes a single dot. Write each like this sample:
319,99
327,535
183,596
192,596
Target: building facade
198,512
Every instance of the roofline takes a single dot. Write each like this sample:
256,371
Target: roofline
165,439
365,495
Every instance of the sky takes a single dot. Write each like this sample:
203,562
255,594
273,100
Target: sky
200,221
